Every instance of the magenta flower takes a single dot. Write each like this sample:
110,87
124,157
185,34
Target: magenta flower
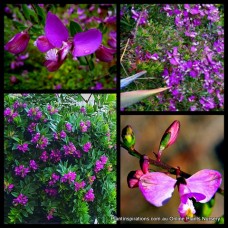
44,156
62,134
32,127
87,147
68,127
157,188
21,171
23,147
79,185
89,196
91,179
57,43
55,155
83,110
21,199
70,177
86,43
18,43
105,54
33,165
51,191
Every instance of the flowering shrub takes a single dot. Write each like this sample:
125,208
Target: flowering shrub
70,44
197,191
54,171
181,46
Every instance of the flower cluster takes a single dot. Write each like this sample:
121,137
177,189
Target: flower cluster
34,113
85,125
62,135
79,185
92,179
70,177
68,127
54,179
51,191
44,156
32,127
87,147
23,147
50,214
142,15
21,199
33,165
55,155
51,109
100,163
89,196
8,187
10,114
70,149
21,171
42,141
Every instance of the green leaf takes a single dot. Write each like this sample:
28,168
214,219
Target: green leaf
74,28
26,11
91,64
82,60
15,194
220,221
41,13
19,25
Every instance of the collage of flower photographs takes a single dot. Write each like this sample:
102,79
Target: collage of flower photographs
113,113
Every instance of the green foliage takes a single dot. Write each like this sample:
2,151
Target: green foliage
73,74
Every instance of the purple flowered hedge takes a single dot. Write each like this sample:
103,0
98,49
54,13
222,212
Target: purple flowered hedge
59,159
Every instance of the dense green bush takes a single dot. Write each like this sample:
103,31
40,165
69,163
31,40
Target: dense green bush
59,159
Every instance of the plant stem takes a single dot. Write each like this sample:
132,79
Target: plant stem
170,169
88,63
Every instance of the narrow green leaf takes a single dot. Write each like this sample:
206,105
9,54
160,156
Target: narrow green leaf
19,26
26,11
41,14
129,98
74,28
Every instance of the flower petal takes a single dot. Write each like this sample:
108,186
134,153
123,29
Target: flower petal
157,188
86,43
55,30
18,43
43,44
206,182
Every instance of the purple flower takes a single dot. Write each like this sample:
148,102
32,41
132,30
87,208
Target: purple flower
55,155
88,123
31,127
89,196
8,187
44,156
54,179
10,114
83,110
33,165
103,159
23,147
92,179
21,171
87,147
86,43
50,214
84,128
68,127
112,39
79,185
55,135
34,113
157,188
21,199
62,134
70,177
18,43
98,166
105,54
51,191
51,109
207,103
136,15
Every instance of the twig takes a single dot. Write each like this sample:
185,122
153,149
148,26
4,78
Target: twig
124,49
162,165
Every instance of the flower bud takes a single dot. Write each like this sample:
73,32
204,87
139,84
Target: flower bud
169,137
144,163
128,137
105,54
18,43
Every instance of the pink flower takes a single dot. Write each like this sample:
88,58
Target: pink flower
105,54
157,188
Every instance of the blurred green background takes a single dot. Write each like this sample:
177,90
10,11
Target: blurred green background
198,146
